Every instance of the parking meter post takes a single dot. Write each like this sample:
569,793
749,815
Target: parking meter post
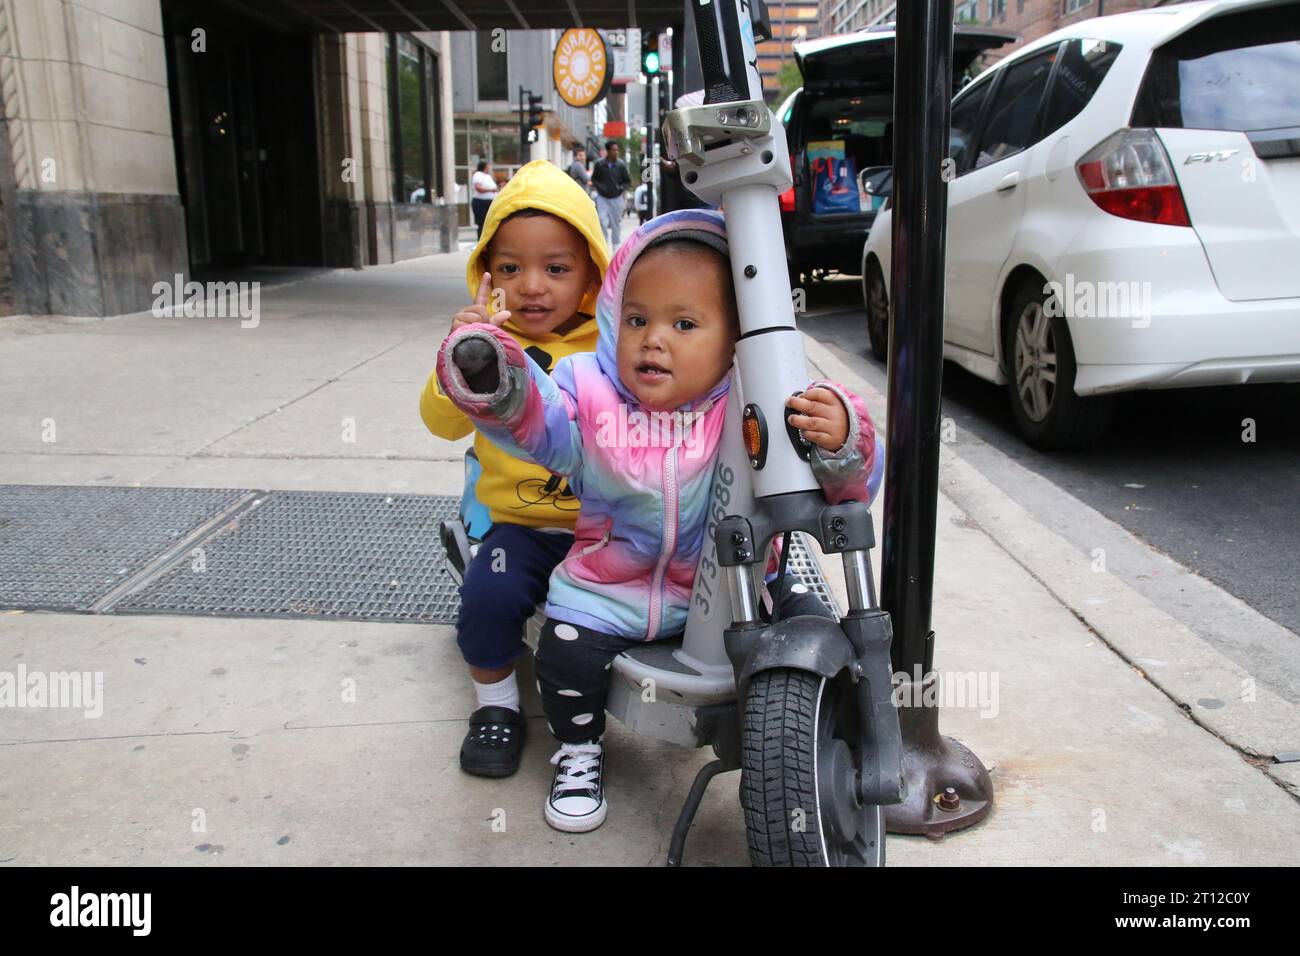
932,763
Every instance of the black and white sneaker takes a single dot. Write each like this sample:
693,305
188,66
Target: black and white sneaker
577,800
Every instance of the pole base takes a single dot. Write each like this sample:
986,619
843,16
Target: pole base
948,788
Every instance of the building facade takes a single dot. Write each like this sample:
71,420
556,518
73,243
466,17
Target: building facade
791,22
1032,19
846,16
142,139
488,67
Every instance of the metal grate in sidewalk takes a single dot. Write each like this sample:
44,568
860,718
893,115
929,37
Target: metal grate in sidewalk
239,553
369,557
64,547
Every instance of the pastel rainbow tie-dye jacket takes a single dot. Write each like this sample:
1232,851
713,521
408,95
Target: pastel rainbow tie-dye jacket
643,502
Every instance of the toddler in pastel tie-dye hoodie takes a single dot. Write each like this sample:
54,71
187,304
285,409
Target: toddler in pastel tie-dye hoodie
635,428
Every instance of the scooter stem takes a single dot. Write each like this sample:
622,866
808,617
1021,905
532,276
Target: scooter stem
731,152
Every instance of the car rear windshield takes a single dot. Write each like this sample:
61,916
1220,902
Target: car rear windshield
1237,72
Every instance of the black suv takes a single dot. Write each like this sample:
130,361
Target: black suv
848,98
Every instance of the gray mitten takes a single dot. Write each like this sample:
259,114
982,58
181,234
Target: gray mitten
477,361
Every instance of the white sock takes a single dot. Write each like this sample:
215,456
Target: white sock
504,693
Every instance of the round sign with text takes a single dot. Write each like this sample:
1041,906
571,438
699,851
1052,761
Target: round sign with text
581,67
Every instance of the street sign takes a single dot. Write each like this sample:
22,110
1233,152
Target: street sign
626,55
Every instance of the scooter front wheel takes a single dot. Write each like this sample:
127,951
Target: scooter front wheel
798,774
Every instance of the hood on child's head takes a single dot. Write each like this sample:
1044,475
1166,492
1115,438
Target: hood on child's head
541,185
609,307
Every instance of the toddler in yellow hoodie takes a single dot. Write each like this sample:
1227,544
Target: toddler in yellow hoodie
535,272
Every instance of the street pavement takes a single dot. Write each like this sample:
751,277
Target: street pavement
1116,734
1173,468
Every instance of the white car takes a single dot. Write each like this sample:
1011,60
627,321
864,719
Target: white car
1124,213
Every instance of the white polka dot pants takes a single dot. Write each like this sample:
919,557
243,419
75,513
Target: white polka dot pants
573,665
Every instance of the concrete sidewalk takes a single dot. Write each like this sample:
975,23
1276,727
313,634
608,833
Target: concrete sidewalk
232,741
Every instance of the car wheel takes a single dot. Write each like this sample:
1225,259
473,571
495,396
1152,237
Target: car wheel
876,299
1039,357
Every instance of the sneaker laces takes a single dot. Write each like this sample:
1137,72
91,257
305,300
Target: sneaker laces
579,766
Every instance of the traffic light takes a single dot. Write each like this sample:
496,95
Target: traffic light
650,52
534,110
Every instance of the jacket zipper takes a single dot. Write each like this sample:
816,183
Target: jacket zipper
670,542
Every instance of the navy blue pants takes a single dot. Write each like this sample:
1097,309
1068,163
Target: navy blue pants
503,586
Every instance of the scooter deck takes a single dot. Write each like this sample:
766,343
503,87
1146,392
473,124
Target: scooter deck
655,689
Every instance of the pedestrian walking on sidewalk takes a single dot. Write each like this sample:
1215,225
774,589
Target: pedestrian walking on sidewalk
578,168
611,179
641,200
483,189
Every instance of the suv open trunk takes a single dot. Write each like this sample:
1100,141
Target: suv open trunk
842,121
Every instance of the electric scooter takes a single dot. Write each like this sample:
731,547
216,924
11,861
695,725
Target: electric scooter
802,705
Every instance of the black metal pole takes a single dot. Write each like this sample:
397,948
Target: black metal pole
687,76
648,144
922,91
523,126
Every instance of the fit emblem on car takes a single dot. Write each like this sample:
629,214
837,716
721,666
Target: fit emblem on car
1218,155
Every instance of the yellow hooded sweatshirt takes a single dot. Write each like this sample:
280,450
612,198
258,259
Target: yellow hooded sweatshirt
515,491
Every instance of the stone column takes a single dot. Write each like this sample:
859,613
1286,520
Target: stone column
88,185
346,223
448,219
367,222
372,116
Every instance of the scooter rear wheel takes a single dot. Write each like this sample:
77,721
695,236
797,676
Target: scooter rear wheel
798,775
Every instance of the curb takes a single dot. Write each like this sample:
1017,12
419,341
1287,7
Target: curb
1210,688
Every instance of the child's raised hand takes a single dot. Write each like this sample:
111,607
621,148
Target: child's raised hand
823,419
478,310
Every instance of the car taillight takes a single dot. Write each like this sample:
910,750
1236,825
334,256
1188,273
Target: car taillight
787,197
1128,174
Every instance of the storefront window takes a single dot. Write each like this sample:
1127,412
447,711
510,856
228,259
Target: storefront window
492,81
505,145
462,147
413,115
